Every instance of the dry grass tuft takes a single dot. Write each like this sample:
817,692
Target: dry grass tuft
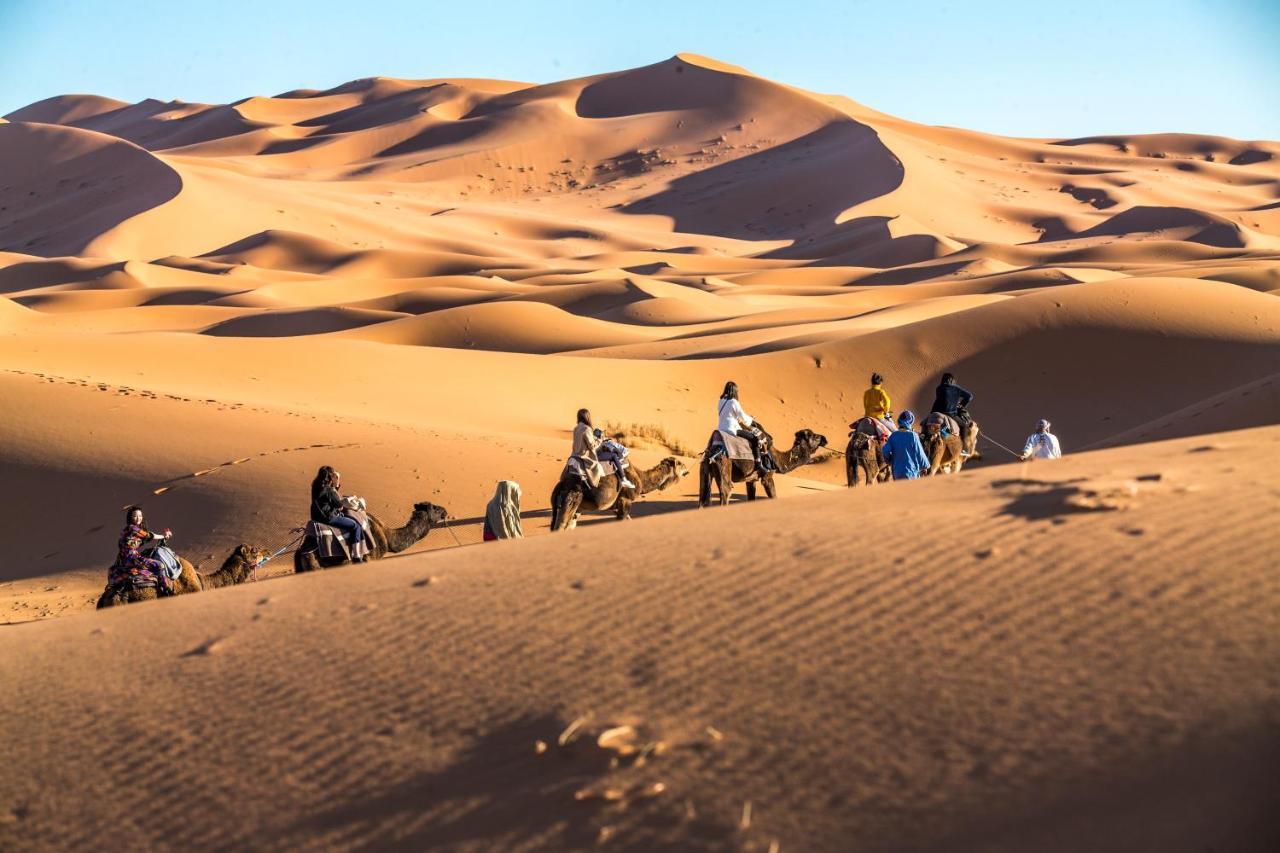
649,436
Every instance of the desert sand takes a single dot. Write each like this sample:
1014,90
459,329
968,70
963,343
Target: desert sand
420,281
1050,656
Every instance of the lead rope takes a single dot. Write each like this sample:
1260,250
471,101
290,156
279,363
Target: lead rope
445,525
981,436
301,531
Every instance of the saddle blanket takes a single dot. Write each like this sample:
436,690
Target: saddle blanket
735,446
589,470
330,543
948,423
874,427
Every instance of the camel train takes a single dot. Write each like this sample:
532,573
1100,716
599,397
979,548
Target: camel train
146,569
739,451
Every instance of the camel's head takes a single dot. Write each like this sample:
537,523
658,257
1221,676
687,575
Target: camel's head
810,440
245,557
673,470
250,553
435,514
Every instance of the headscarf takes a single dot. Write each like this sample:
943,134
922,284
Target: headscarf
1042,425
503,511
906,419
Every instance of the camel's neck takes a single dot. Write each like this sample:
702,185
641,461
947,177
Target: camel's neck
789,460
233,571
402,538
655,478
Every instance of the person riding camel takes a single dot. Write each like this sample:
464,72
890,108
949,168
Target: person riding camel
612,450
952,400
735,421
585,446
1042,444
904,452
877,406
133,564
502,515
329,507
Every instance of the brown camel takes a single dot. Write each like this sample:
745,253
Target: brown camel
728,471
948,455
571,496
236,569
864,455
944,453
385,540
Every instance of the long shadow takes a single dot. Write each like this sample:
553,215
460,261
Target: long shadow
789,191
498,790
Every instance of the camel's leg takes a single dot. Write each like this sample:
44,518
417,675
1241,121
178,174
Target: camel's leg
724,480
571,501
751,490
770,489
850,470
555,507
622,507
305,561
704,483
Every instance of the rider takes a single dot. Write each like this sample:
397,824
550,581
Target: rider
614,451
131,565
328,506
950,399
1042,444
734,421
585,445
876,404
903,450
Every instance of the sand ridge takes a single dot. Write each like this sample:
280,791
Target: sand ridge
1037,681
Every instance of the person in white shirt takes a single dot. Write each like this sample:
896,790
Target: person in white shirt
735,421
1042,444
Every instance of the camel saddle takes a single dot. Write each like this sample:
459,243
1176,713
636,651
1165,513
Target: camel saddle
735,446
873,427
330,543
947,422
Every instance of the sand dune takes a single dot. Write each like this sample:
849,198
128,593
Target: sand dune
421,281
1040,683
669,227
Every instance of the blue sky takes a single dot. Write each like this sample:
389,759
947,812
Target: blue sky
1021,68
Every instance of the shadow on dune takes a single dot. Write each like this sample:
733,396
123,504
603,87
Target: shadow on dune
499,793
790,191
867,241
63,187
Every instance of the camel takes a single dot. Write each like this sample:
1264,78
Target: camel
864,460
236,569
385,540
571,496
943,453
948,455
729,471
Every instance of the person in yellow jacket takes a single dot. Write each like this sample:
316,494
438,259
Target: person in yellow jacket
876,403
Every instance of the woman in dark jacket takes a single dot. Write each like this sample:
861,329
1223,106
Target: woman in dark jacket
327,506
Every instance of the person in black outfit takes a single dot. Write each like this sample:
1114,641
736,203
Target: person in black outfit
951,399
327,506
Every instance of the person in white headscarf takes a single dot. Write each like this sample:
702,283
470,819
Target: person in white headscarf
1042,444
502,515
